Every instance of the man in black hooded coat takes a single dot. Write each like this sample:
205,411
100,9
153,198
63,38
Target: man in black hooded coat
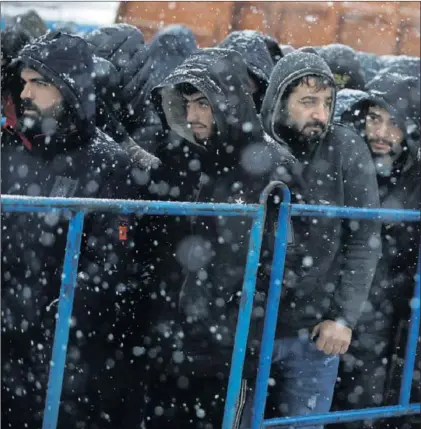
55,150
384,118
332,168
221,156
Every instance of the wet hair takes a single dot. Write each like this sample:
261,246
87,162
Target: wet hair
321,83
187,88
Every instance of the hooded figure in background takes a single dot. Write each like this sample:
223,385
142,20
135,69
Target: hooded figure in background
221,156
168,48
53,149
122,45
400,64
118,52
19,31
385,119
139,67
370,64
275,50
252,46
345,66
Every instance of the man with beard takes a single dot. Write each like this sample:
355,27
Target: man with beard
384,119
55,150
332,168
220,157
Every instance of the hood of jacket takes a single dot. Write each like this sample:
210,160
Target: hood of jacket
401,64
274,48
118,43
221,75
345,65
252,46
370,64
293,66
345,100
167,50
66,61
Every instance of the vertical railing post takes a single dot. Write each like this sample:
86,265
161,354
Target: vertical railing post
272,309
65,307
411,345
244,316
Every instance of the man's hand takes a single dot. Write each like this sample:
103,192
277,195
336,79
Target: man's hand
333,337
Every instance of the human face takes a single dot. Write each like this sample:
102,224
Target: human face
199,115
309,109
40,95
42,104
382,131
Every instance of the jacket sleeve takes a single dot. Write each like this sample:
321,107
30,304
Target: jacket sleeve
362,244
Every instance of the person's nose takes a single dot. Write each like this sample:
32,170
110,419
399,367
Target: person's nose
26,92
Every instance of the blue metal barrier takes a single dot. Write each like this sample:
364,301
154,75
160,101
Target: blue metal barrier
78,209
53,25
275,292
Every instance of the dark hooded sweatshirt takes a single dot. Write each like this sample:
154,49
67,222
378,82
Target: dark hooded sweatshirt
336,171
252,46
82,163
200,289
399,187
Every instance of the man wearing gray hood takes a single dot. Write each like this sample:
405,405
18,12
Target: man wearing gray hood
333,167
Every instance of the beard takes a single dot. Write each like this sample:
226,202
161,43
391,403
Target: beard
48,122
312,136
206,142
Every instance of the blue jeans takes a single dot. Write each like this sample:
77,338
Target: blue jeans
304,383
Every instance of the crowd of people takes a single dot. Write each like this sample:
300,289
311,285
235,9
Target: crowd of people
107,115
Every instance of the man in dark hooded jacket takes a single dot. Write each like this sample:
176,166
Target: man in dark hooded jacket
55,150
221,156
252,46
332,168
383,118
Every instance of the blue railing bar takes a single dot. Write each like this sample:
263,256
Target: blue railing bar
46,204
65,307
243,323
271,314
37,204
246,306
344,416
392,215
411,345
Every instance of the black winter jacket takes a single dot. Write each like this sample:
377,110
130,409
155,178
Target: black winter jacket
200,290
399,189
83,163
